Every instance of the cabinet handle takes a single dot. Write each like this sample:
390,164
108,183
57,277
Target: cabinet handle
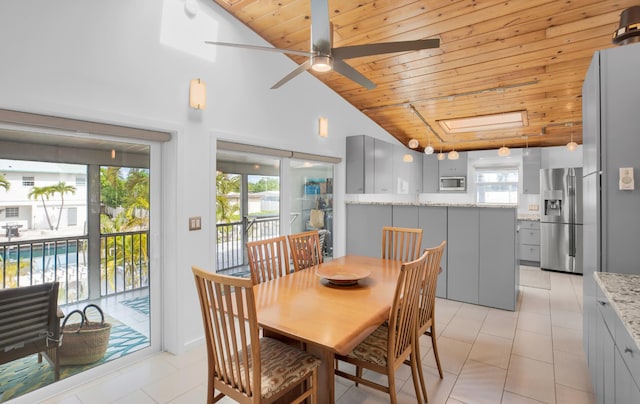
602,302
628,350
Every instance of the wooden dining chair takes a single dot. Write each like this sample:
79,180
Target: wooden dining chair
386,349
268,259
401,243
305,249
425,324
241,365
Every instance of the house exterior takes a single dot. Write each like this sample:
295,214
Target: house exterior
18,208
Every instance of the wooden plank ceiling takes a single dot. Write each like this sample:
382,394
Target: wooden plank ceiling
495,56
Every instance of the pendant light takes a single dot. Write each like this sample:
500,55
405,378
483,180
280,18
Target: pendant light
441,154
429,148
453,155
572,146
413,143
504,151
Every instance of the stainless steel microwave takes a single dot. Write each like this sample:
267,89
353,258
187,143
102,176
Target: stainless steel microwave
453,183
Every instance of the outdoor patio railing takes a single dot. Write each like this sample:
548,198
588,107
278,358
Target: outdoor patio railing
229,239
123,264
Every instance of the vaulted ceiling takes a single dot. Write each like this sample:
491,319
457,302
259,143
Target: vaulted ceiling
495,56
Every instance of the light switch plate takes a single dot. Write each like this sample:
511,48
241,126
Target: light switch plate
626,179
195,223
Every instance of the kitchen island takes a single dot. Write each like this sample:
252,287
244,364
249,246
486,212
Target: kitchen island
480,263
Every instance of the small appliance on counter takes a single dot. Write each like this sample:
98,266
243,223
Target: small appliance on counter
561,219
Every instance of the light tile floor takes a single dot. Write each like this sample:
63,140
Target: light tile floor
532,355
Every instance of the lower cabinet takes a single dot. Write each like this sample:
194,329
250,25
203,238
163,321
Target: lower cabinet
616,368
364,228
479,263
529,242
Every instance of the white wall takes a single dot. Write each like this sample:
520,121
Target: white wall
104,61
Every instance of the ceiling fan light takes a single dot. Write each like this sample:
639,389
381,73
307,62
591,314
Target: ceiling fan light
428,150
572,146
322,63
413,143
504,151
453,155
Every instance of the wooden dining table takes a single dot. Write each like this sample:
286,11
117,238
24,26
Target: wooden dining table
328,318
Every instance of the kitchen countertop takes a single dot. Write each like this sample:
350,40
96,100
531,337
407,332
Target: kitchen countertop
623,291
534,217
454,205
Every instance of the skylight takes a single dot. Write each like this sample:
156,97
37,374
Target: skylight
517,119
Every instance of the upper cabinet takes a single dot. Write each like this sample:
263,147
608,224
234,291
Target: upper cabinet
360,156
407,170
375,166
430,176
454,168
382,167
531,164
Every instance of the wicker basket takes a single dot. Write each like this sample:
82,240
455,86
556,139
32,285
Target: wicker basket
85,342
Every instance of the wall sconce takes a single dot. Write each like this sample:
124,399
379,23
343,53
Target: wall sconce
323,127
198,94
113,154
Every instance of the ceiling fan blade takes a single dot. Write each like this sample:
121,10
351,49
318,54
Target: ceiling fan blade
305,66
356,51
351,73
261,48
320,27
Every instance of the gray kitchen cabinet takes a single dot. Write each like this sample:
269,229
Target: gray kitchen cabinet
364,228
615,369
531,164
359,164
453,168
433,222
463,254
610,98
430,176
382,167
498,276
405,216
529,242
407,175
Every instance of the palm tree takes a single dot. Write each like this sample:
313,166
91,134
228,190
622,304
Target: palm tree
225,184
42,192
4,182
61,188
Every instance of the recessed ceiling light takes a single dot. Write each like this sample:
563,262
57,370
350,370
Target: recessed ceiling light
517,119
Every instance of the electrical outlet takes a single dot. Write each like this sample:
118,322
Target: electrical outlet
195,223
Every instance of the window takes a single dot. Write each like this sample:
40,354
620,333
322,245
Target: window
497,186
28,181
12,212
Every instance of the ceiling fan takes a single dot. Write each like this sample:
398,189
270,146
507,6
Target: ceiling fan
323,57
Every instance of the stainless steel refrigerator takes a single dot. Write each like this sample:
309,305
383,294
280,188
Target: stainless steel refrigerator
561,219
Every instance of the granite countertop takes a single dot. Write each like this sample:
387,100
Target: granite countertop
455,205
623,291
535,217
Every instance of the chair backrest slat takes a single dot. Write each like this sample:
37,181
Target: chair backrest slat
305,249
404,310
229,314
428,293
268,259
401,243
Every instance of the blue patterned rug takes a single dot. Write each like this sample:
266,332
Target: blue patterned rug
139,304
24,375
